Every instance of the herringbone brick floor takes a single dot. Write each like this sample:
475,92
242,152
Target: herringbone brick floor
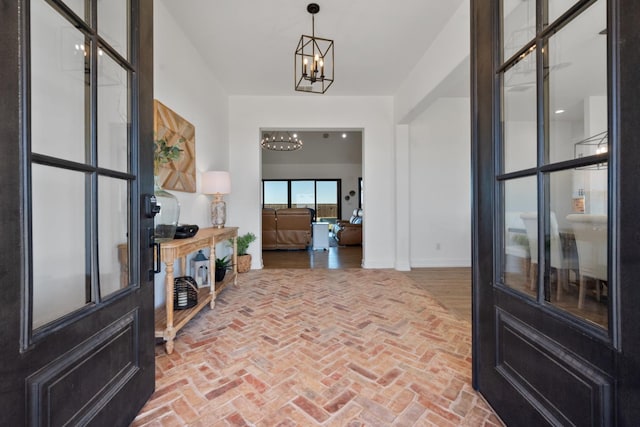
319,348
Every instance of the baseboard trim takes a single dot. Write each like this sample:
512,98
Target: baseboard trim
376,264
403,266
440,262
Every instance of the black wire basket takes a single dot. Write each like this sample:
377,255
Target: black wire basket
185,293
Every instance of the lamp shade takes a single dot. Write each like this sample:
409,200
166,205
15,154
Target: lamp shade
216,182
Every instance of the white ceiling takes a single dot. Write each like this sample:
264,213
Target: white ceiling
320,147
250,44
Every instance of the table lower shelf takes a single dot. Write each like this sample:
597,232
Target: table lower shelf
181,317
230,277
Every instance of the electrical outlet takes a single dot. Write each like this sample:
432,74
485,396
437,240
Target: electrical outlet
437,246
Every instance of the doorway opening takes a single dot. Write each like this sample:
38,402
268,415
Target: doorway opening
322,182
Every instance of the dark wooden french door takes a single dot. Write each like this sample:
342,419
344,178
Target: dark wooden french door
77,296
556,253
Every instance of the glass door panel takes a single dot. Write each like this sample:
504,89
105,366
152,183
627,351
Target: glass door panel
113,24
59,84
71,196
519,115
113,114
276,194
519,249
557,8
113,234
577,83
569,268
327,201
578,200
59,257
518,25
303,194
78,7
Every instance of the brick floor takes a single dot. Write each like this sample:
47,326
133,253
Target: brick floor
319,348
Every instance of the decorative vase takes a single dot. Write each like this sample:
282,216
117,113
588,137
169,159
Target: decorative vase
244,263
166,221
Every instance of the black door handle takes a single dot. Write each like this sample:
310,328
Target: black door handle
157,262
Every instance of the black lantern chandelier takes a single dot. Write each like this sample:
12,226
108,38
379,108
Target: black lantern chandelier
281,141
313,61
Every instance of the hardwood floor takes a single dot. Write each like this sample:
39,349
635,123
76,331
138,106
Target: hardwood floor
334,258
451,287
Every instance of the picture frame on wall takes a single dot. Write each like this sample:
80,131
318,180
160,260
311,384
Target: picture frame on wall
180,174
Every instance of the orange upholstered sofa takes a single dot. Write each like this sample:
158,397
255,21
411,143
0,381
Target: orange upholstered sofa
286,228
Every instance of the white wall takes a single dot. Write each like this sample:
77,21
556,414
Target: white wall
374,115
402,198
184,83
448,50
347,173
437,75
440,193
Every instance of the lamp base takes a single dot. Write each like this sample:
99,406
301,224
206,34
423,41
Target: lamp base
218,212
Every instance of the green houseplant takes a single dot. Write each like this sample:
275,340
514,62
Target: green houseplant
222,265
244,259
164,153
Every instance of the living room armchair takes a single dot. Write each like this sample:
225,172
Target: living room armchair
349,232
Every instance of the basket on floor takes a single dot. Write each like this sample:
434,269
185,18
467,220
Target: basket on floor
185,293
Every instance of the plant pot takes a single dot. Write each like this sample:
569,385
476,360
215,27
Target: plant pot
220,273
244,263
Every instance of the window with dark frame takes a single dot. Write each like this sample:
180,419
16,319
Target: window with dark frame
553,176
321,195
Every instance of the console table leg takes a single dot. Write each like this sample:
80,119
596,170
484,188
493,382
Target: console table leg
168,346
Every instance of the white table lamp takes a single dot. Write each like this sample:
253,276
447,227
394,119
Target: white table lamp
217,183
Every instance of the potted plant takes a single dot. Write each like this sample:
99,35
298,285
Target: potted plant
244,259
222,265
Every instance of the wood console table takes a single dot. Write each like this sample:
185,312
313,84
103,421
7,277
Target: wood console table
167,321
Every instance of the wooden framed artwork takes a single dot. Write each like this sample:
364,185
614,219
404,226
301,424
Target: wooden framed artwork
179,175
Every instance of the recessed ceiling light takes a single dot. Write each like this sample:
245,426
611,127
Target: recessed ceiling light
344,135
559,111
